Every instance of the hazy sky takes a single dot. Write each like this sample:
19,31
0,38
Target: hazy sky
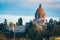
28,8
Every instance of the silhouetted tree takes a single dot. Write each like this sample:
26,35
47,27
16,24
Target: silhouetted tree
5,22
51,21
49,30
55,21
30,24
2,28
9,35
20,21
59,20
33,33
56,29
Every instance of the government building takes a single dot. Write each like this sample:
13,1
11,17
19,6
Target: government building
40,18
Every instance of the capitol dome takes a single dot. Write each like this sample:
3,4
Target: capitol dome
40,12
40,19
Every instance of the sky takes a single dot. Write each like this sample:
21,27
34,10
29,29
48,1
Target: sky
13,9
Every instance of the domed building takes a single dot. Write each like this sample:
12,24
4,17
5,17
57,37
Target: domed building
40,18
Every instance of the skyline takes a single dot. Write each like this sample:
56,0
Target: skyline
28,8
14,19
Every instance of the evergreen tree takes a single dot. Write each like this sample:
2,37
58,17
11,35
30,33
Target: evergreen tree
51,21
2,28
20,21
49,30
5,22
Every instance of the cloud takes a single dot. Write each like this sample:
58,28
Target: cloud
54,18
56,6
29,6
53,4
14,19
32,4
47,3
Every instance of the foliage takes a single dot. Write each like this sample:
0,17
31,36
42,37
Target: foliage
11,24
2,27
20,21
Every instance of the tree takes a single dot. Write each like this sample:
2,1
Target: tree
30,30
59,21
49,30
11,24
5,22
56,29
51,20
55,21
30,24
20,21
33,32
2,28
